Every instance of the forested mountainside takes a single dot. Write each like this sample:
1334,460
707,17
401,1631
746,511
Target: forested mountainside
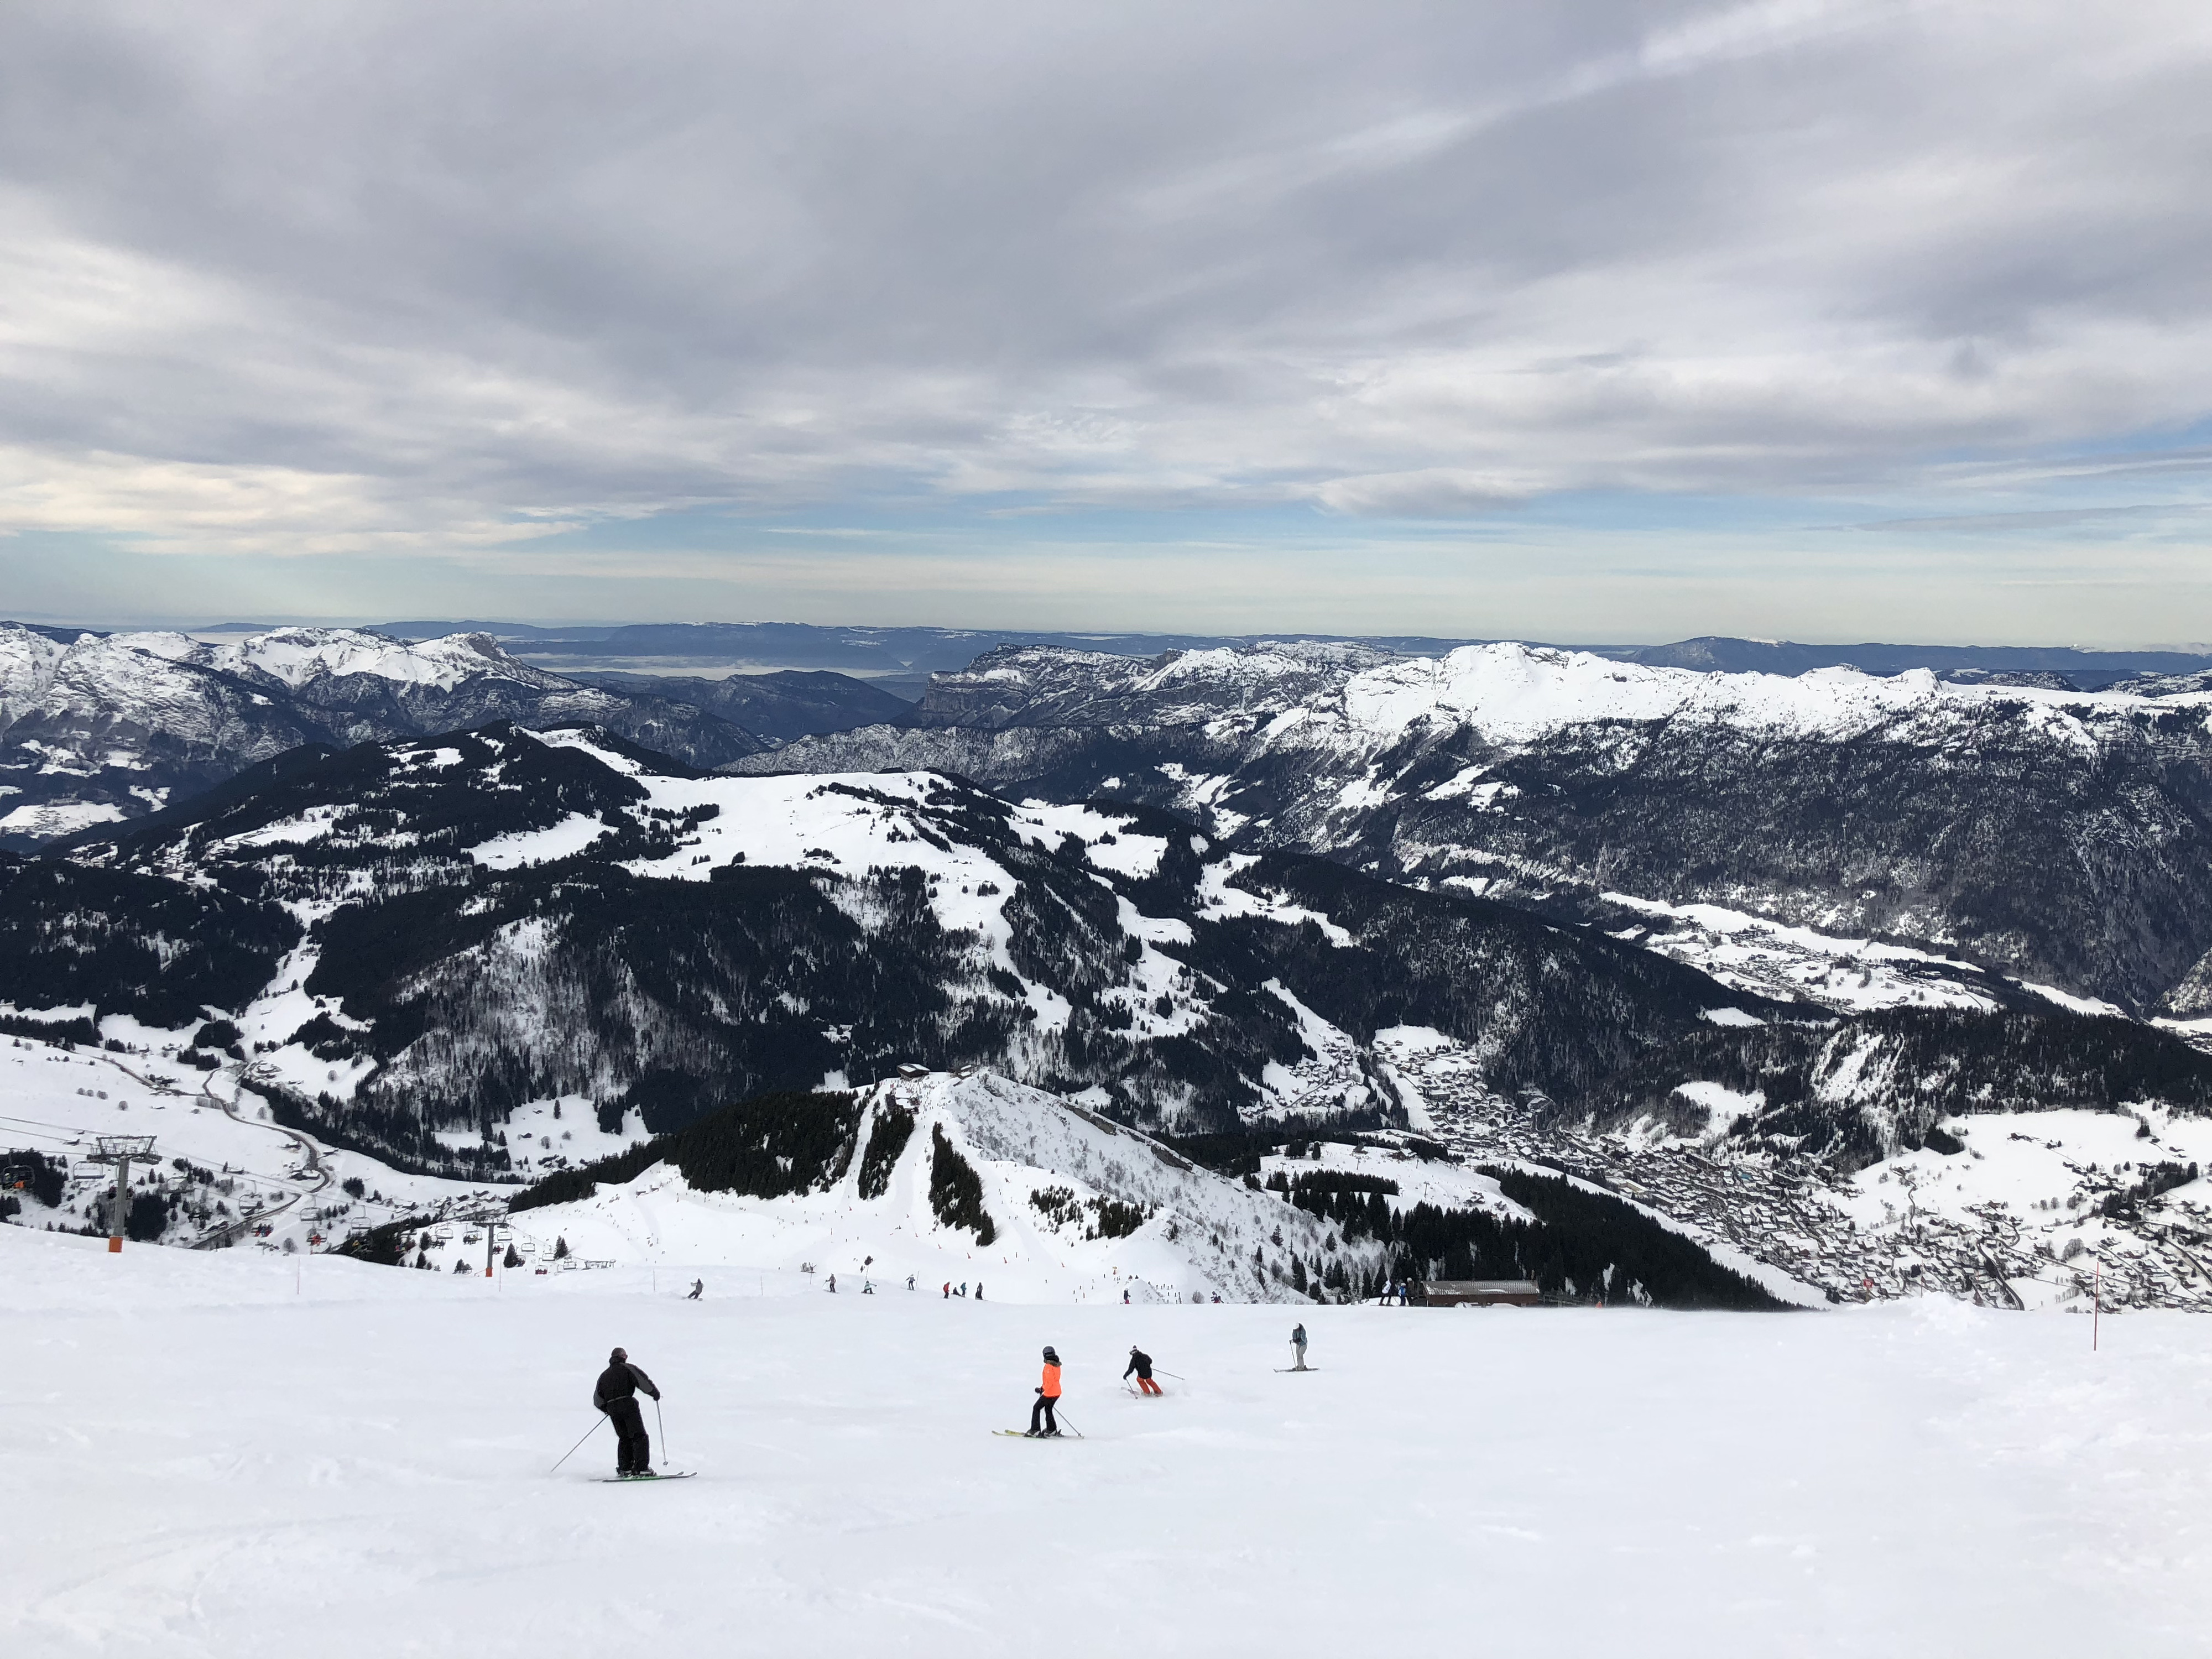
402,942
2063,837
103,729
500,917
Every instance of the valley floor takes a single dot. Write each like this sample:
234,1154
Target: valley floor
229,1453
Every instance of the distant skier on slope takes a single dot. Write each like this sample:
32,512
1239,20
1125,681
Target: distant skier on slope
1141,1363
698,1289
1047,1398
1299,1347
616,1394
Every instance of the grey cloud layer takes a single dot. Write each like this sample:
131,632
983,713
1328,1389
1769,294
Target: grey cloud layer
420,276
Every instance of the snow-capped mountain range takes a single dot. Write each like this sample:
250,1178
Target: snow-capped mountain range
100,729
2061,836
414,948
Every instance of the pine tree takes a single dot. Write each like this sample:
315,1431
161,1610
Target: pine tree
560,1249
511,1259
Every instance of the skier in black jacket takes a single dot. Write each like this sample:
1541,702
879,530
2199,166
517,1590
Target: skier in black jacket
616,1394
1141,1363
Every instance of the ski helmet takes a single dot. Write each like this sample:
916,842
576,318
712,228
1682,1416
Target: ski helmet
1053,1356
619,1356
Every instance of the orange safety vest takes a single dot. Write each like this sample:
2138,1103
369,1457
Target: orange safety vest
1052,1381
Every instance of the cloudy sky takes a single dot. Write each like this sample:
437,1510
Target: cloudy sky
1587,322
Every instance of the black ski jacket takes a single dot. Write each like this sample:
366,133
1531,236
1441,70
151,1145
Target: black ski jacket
620,1382
1141,1364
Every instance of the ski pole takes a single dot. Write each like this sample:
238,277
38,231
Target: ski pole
574,1449
1178,1375
1079,1435
662,1427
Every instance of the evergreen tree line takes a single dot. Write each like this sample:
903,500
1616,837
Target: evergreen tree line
769,1146
887,1139
42,1177
1581,1245
956,1191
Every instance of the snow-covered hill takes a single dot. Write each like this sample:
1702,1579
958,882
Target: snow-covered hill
103,729
2055,836
1080,1210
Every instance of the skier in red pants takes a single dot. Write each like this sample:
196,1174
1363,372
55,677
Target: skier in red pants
1141,1363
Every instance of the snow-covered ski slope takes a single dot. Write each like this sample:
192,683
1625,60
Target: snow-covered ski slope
1044,1167
204,1459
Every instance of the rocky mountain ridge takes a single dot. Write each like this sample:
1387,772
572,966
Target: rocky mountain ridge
2059,837
105,728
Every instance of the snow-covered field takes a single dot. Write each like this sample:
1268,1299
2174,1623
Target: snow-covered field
206,1459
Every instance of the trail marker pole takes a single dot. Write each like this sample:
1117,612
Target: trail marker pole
2096,1302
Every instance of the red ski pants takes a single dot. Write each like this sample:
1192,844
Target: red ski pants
1147,1385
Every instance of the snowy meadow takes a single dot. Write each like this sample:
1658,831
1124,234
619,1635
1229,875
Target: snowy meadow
236,1452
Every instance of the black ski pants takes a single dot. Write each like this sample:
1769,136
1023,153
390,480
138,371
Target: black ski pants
1042,1412
633,1449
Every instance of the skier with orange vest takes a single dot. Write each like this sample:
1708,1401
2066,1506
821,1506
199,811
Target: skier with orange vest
1048,1397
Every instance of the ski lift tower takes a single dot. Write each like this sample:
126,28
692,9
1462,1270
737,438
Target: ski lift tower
121,1151
491,1221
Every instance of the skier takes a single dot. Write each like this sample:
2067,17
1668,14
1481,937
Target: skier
910,1281
698,1289
616,1394
1141,1363
979,1290
1125,1295
1048,1397
833,1284
948,1290
1299,1347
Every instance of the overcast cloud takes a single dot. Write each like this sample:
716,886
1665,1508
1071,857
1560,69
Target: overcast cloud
1591,321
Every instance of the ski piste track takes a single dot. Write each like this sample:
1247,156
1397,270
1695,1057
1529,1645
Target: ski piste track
1769,1484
